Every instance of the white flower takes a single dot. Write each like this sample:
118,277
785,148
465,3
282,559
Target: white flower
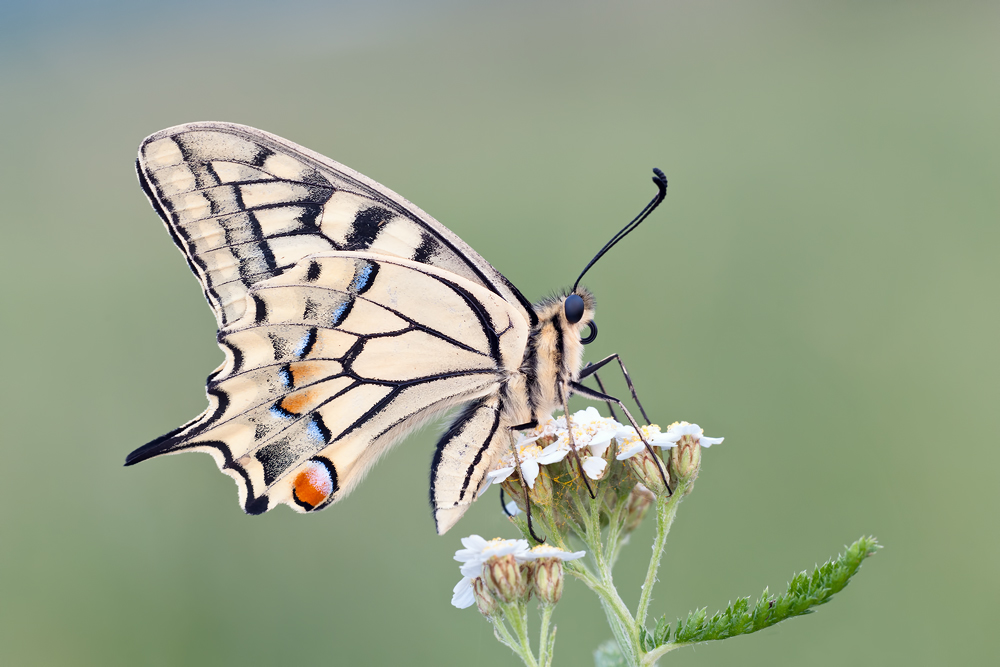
590,430
678,430
547,551
478,550
592,434
630,444
530,456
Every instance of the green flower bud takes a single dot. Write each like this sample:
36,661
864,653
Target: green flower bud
487,604
647,469
638,503
685,461
505,578
548,579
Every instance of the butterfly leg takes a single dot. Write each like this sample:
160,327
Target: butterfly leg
504,505
611,406
587,392
591,369
572,445
527,498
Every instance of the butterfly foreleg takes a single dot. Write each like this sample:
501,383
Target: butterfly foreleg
587,392
591,369
572,445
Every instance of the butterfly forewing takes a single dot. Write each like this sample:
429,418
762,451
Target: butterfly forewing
334,360
245,206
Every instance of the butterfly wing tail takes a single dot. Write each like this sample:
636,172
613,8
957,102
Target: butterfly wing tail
464,455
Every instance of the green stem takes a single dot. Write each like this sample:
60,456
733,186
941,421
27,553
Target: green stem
666,510
544,657
650,658
503,635
516,615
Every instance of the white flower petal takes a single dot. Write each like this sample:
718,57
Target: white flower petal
548,551
631,451
463,597
708,442
594,467
472,569
513,509
474,545
529,469
552,454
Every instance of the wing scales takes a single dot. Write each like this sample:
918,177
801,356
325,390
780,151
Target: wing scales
333,362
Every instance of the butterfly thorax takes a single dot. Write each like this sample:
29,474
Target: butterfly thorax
553,355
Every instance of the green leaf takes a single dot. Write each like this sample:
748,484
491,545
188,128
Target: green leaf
805,591
646,640
662,633
609,655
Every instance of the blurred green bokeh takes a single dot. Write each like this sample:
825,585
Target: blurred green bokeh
820,287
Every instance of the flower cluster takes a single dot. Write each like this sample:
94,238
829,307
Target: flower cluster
583,479
507,571
543,454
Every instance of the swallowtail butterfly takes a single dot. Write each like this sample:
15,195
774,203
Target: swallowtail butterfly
348,317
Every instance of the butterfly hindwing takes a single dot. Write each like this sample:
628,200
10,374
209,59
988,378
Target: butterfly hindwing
244,206
334,360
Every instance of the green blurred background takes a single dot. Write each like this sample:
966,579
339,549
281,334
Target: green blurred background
820,287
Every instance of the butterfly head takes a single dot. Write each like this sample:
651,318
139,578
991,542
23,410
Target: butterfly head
578,309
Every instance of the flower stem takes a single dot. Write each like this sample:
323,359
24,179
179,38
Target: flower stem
516,615
666,510
650,658
544,654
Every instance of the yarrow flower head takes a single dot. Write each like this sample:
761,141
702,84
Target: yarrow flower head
685,458
530,456
592,435
630,444
547,571
476,552
678,430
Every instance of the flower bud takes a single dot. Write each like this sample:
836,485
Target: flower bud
505,578
638,503
548,579
487,604
685,460
647,469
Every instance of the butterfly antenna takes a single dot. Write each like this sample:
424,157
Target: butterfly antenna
661,183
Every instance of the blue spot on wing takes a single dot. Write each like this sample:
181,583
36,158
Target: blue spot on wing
315,433
342,311
278,413
361,280
306,344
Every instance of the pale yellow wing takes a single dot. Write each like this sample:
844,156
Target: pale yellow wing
337,358
243,206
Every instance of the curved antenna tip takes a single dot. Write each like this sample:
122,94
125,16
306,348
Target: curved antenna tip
659,178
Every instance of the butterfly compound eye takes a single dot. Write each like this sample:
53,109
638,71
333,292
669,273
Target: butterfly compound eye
574,308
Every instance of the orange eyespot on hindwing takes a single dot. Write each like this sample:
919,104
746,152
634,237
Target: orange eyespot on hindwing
315,484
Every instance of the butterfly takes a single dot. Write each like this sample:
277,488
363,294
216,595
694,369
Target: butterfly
349,317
